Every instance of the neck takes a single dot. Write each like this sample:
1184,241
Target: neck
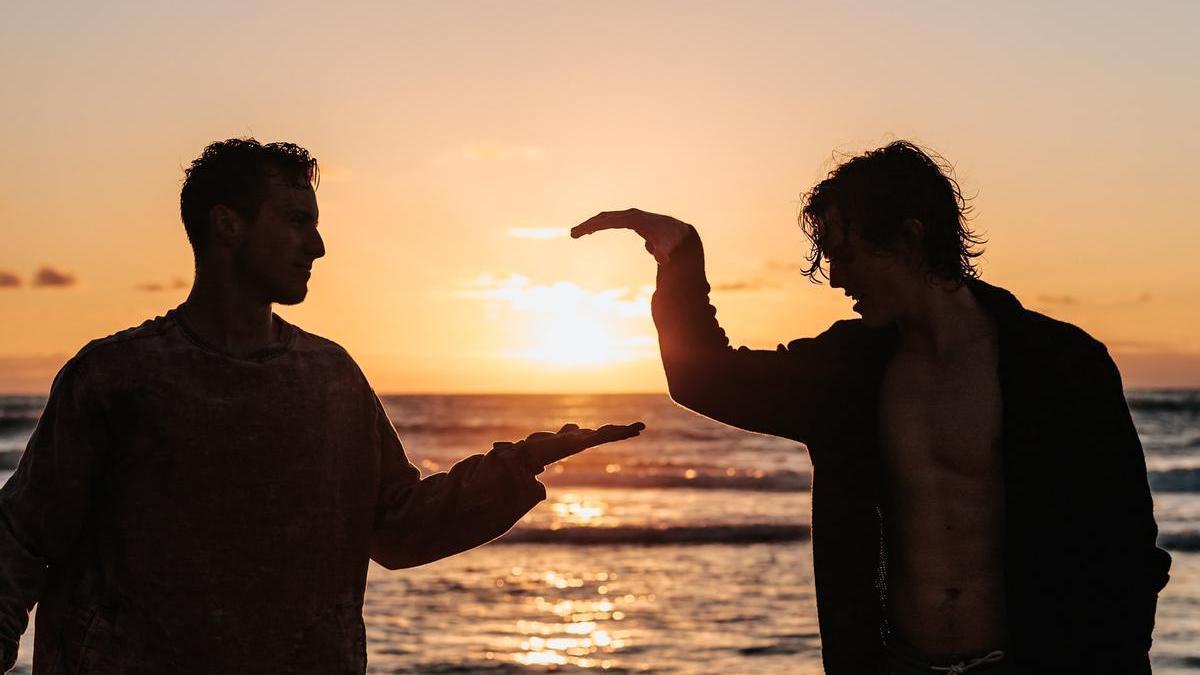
941,321
227,318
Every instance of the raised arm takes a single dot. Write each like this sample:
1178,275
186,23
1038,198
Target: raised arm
44,504
480,498
786,392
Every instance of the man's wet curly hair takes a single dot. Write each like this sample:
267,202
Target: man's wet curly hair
236,173
877,191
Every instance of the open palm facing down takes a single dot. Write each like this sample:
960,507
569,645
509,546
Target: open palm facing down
662,234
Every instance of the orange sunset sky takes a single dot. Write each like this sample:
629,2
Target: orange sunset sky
459,141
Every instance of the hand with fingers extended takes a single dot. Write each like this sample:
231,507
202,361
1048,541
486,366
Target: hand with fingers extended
662,234
543,448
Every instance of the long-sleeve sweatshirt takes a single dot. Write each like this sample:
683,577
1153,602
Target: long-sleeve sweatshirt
180,510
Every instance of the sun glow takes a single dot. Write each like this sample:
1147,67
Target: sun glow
569,326
575,339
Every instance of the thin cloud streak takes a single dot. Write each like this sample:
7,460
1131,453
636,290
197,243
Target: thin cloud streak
48,277
9,280
521,294
157,287
1071,300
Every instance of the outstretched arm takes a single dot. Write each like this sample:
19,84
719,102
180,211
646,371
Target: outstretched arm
784,392
420,520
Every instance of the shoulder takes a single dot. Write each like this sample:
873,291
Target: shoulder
1033,333
1065,357
106,349
104,353
1060,339
326,353
313,343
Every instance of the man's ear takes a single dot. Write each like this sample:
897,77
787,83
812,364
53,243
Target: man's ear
912,239
226,224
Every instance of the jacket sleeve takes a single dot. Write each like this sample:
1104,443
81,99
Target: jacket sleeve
44,504
420,520
785,392
1121,570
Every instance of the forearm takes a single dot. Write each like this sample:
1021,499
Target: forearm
782,391
479,499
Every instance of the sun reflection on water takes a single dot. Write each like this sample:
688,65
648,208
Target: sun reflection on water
575,510
585,631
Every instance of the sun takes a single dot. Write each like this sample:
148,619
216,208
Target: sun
573,338
563,325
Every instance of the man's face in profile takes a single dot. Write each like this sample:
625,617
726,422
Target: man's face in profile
275,258
874,280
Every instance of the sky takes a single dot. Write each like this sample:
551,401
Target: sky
459,141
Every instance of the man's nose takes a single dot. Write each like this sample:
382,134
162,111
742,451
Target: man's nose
316,245
835,276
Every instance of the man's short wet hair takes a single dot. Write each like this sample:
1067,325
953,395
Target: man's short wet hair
236,173
877,191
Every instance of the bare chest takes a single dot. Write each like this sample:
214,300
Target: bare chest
941,419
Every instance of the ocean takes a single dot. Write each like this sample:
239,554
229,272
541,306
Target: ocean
683,550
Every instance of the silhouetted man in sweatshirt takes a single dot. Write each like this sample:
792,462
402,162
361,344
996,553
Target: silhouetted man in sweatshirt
203,492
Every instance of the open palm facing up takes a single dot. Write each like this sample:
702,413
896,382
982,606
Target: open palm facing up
542,448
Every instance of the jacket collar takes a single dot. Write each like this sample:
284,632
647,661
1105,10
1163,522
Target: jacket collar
1002,305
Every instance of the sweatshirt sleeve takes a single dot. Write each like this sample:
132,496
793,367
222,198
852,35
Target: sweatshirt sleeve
420,520
788,391
44,504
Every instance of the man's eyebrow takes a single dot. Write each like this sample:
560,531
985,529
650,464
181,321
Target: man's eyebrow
303,213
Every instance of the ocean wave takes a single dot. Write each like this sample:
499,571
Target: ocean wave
714,534
1155,401
1180,541
1175,480
768,481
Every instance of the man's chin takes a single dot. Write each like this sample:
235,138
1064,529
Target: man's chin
291,298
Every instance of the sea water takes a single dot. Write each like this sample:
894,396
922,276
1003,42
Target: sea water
683,550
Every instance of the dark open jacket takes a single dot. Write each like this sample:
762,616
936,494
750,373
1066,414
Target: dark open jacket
1082,568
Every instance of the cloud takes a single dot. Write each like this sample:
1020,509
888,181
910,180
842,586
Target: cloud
157,287
537,232
9,280
771,275
29,374
1139,346
1139,299
782,266
1057,299
1158,368
50,277
521,294
489,151
744,285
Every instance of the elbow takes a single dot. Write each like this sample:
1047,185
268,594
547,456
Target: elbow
390,561
398,562
397,556
687,389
